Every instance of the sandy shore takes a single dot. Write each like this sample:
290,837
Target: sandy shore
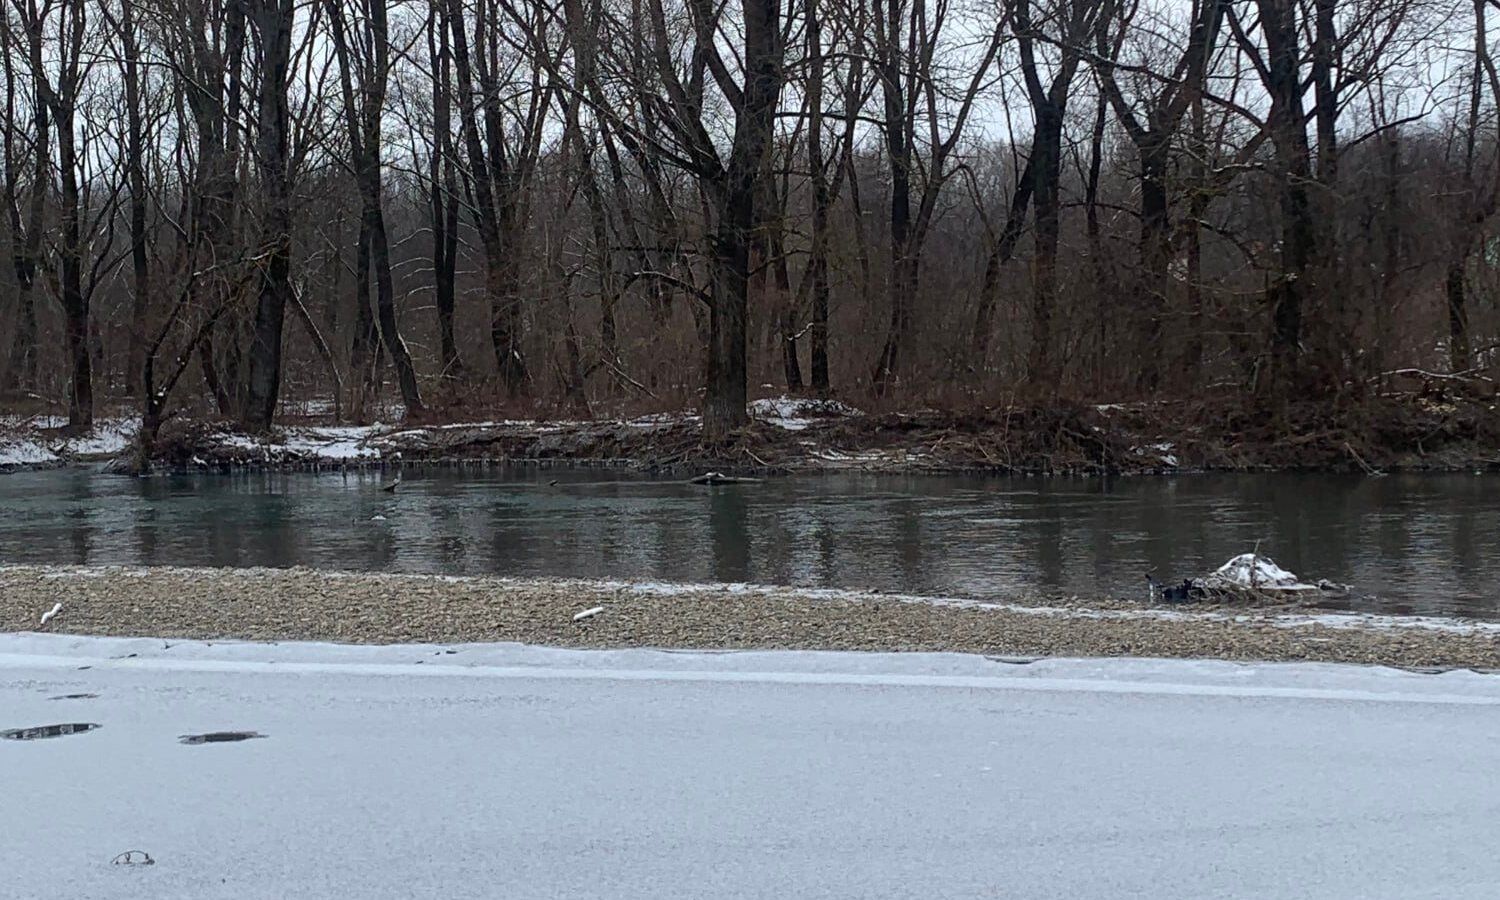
302,604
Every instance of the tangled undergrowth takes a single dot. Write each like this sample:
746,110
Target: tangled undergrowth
1407,431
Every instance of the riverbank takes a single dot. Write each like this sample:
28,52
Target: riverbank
1399,432
303,605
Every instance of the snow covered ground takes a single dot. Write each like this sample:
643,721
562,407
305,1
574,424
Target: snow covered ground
24,442
517,772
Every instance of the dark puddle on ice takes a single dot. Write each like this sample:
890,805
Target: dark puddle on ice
47,731
219,737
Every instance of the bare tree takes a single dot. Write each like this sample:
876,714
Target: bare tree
1064,28
1163,101
501,160
364,80
1476,201
25,231
124,25
907,38
56,39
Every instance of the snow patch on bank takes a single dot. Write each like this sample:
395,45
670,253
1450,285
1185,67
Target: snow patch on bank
341,443
109,438
797,413
306,444
18,452
25,442
1162,453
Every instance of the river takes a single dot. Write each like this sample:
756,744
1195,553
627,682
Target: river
1424,544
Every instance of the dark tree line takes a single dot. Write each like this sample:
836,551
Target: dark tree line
227,205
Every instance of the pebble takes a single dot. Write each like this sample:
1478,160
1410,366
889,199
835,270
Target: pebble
377,608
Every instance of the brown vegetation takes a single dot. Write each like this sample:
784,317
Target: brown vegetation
1266,225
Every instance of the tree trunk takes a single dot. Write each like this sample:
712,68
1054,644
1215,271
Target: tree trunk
363,118
898,152
494,206
26,237
61,97
817,335
791,365
21,370
445,275
75,302
444,187
724,400
1000,253
1045,166
1459,358
1155,252
364,350
135,149
1197,208
1299,234
385,305
274,20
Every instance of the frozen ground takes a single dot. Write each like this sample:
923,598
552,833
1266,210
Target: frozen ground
505,771
25,443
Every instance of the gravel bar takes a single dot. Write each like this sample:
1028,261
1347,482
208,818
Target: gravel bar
309,605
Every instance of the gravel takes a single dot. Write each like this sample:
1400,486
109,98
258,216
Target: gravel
304,604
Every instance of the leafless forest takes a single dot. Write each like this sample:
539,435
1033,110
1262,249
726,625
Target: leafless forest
579,205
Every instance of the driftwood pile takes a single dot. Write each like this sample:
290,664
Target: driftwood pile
1247,578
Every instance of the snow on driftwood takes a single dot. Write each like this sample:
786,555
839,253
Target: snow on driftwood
1253,572
1248,576
49,614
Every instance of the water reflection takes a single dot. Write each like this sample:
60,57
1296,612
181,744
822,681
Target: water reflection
1421,543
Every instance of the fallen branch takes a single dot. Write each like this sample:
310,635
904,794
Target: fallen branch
1369,469
712,478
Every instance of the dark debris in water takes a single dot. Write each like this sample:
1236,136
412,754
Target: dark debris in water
219,737
47,731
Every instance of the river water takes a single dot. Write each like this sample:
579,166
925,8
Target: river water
1424,544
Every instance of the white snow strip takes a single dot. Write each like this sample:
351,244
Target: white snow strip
588,613
51,613
961,671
